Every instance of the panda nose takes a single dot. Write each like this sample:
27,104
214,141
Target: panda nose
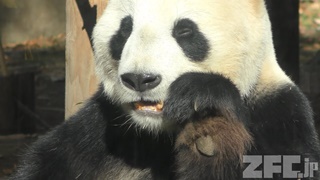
140,82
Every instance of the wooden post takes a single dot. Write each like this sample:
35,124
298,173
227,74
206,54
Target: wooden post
81,82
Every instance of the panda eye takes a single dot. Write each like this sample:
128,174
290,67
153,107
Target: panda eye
192,41
185,32
126,27
120,38
184,28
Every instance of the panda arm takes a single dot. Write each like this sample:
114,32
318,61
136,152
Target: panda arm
73,149
282,123
211,149
213,136
77,149
195,96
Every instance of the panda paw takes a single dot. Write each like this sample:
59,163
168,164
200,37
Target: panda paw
195,96
215,137
204,145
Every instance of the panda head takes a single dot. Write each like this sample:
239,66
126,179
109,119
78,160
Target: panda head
142,46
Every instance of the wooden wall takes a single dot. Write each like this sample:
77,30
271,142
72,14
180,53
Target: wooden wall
81,82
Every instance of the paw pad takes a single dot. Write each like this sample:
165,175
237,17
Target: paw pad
205,145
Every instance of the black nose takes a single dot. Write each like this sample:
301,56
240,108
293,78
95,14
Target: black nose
140,82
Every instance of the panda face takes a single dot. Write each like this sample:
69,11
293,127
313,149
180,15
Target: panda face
141,47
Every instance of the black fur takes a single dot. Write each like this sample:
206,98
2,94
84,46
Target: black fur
120,38
283,123
94,142
193,43
197,167
97,142
212,95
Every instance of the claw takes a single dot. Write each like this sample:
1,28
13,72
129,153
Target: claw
196,106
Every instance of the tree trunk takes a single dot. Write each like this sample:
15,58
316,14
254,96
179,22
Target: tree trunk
81,81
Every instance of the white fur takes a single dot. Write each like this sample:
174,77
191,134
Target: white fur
239,35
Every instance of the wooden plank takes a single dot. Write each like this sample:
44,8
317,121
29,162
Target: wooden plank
81,82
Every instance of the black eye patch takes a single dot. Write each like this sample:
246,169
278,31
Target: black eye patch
193,43
118,40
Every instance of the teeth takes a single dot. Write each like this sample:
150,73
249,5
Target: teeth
147,106
160,105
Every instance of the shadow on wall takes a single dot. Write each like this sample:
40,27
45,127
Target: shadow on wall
89,16
22,20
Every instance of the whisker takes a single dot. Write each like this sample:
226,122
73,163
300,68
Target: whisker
129,126
122,115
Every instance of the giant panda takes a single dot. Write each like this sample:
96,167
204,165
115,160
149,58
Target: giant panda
188,87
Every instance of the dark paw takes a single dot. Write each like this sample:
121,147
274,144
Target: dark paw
220,137
196,96
214,144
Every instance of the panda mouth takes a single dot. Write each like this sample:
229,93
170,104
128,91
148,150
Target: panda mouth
148,106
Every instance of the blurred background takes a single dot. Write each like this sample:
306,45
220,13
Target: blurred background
32,84
33,64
